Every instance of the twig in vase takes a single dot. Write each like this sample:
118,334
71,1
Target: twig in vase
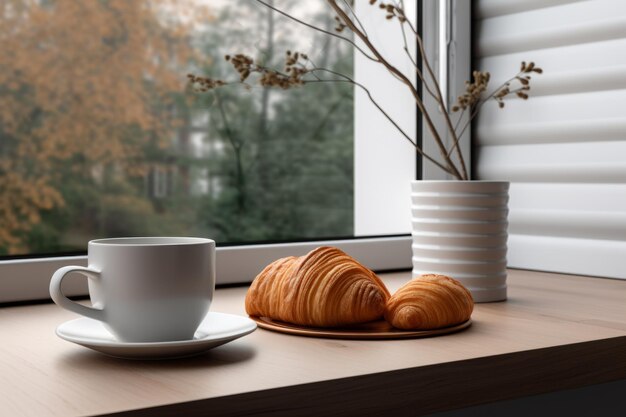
303,23
297,67
403,78
300,70
472,98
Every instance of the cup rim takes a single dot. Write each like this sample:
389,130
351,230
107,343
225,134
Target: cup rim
140,241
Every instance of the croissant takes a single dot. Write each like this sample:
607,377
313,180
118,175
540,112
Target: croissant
429,302
324,288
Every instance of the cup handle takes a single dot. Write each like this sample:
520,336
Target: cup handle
66,303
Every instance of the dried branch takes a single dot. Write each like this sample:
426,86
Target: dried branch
299,70
387,116
396,12
295,19
472,98
418,71
297,67
442,103
393,70
355,16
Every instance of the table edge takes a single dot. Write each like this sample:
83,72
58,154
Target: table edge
426,389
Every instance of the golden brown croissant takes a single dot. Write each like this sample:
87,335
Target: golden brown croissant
324,288
429,302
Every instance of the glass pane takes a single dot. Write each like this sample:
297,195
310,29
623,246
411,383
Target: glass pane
100,135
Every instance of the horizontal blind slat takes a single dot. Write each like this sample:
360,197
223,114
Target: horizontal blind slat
570,223
570,82
494,8
591,152
587,172
587,162
562,108
562,131
583,57
568,196
588,32
592,257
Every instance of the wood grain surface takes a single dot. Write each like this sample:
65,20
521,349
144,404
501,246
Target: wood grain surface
554,332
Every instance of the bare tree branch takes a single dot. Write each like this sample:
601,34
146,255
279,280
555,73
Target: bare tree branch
295,19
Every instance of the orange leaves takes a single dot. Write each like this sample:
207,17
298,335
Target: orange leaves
79,81
21,200
87,66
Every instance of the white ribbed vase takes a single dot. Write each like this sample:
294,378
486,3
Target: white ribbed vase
460,230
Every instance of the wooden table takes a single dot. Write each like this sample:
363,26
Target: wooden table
554,332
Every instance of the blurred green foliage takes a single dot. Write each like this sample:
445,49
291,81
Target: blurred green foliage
236,165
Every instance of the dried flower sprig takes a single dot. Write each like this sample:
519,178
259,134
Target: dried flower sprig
300,70
340,25
473,97
393,11
204,84
294,71
473,91
522,78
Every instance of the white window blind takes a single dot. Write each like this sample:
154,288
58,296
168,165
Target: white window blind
564,150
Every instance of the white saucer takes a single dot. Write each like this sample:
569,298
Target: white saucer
215,330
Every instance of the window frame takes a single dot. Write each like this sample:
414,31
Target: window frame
24,280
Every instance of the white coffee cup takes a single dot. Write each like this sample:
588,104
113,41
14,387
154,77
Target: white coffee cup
145,289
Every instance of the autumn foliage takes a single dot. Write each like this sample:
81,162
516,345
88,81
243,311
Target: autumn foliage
84,88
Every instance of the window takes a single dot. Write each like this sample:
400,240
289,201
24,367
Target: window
97,92
100,137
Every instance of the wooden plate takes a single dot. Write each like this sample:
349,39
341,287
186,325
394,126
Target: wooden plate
367,331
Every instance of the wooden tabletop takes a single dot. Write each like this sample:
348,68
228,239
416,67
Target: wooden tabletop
554,332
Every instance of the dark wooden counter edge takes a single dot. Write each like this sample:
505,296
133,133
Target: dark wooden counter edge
423,390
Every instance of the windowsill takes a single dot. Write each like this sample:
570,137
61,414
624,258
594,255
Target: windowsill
555,332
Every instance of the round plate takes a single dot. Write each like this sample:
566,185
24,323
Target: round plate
367,331
216,329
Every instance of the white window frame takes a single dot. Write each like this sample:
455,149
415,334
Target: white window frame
28,279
